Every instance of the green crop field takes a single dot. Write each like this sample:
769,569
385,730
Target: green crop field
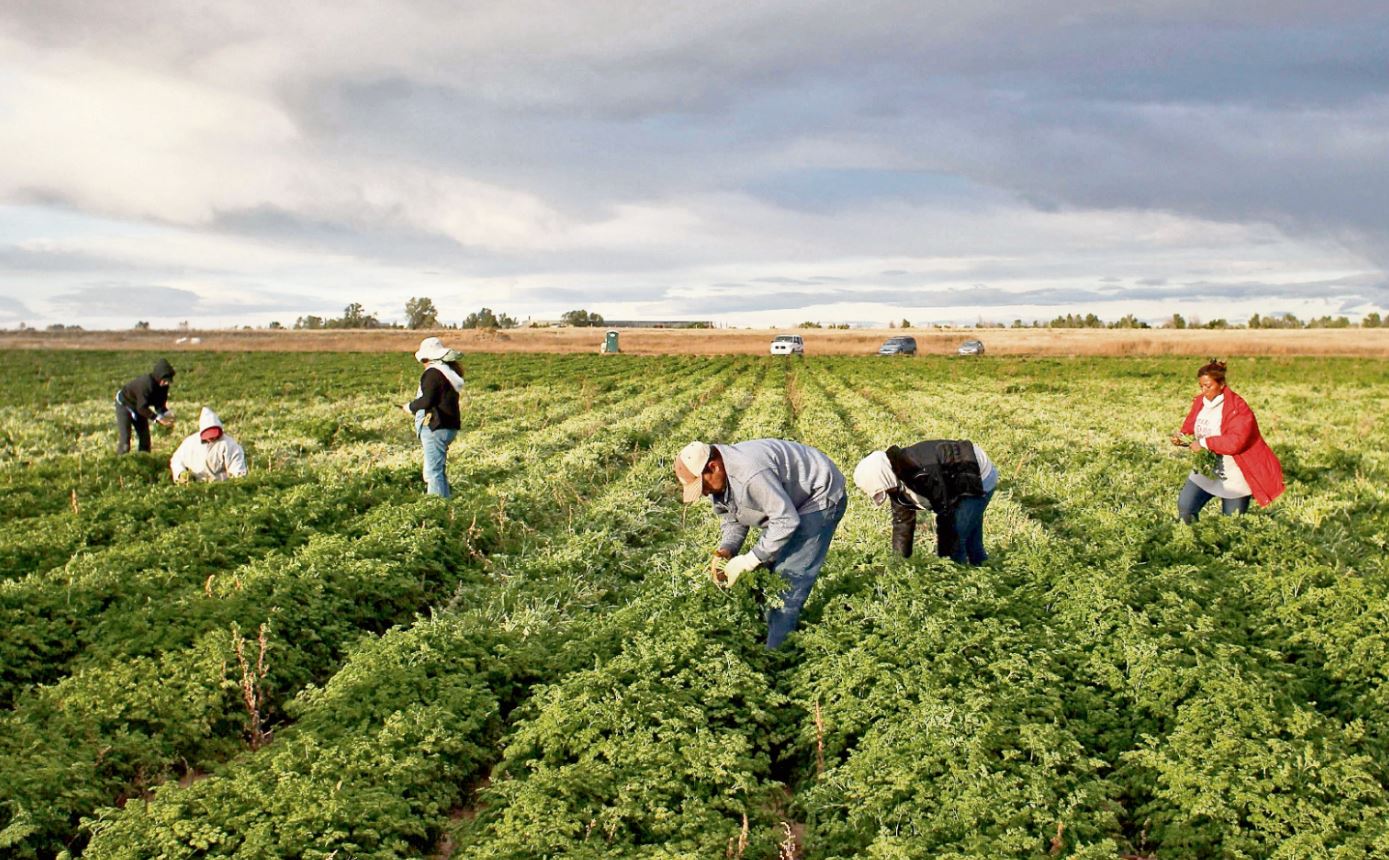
318,661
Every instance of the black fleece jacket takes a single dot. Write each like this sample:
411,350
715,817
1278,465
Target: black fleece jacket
439,400
145,395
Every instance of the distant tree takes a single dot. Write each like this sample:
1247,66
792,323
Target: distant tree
1177,321
1255,322
905,323
309,322
809,324
892,325
421,313
275,324
487,319
1370,320
142,325
582,318
1128,321
1218,323
355,316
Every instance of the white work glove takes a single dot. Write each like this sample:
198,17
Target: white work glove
739,565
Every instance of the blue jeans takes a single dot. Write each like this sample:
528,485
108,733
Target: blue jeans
799,563
1193,499
968,519
436,451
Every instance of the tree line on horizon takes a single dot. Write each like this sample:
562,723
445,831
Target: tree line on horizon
421,313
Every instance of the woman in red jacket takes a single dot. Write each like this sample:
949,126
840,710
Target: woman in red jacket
1243,466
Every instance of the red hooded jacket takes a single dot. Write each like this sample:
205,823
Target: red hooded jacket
1239,438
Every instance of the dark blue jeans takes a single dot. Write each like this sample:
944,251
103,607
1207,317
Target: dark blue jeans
969,529
799,564
1193,499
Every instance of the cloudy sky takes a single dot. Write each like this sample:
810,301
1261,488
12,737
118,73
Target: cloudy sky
747,162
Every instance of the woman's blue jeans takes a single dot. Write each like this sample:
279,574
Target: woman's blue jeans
799,564
1193,499
969,529
436,451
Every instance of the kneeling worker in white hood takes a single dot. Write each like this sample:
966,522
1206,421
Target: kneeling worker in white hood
208,455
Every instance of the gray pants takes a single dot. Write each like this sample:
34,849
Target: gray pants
124,421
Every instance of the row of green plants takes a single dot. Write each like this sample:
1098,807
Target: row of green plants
70,610
1123,684
316,601
1110,684
487,646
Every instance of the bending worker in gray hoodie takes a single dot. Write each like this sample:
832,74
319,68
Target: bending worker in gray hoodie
792,492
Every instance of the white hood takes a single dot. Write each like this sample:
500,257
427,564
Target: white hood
874,475
207,418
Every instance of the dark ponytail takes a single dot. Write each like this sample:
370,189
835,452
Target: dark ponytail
1215,369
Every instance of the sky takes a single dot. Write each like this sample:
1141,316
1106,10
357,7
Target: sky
750,163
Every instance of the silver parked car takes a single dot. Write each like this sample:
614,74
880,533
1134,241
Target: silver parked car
971,347
899,345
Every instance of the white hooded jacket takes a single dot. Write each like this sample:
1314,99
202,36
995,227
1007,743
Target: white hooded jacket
217,460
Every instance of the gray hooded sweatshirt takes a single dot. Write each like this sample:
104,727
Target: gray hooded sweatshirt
771,483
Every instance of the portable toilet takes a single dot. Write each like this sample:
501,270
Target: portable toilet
610,342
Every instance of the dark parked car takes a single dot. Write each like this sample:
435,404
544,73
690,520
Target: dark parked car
971,347
900,345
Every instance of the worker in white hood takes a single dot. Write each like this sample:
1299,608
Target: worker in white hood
208,455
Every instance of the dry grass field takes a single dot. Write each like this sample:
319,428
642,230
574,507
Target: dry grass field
1080,342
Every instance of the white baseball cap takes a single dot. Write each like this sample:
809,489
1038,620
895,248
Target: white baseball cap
689,468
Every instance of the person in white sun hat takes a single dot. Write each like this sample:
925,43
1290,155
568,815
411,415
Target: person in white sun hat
792,492
436,411
208,455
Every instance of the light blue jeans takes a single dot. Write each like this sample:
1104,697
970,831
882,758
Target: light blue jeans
436,453
799,564
1193,499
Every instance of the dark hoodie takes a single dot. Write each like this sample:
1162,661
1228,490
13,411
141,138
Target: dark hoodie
144,396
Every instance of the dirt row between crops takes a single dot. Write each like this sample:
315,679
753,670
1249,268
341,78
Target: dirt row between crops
1343,342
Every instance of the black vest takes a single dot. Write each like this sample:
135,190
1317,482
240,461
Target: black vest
942,471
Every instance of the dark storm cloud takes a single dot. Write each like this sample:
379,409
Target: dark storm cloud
13,309
116,298
38,260
113,298
1248,112
983,295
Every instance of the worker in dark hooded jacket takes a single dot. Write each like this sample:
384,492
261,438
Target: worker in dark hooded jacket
954,479
141,400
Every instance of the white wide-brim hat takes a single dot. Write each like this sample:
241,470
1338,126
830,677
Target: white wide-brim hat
431,349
